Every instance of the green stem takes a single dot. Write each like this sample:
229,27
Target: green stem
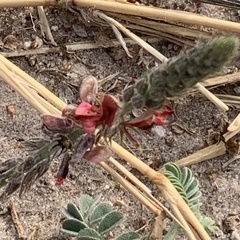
172,232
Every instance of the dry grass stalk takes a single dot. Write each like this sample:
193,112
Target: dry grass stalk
181,210
230,100
210,96
219,81
145,198
225,3
172,29
169,193
204,154
131,9
9,68
71,47
46,32
135,180
133,36
235,124
15,218
228,135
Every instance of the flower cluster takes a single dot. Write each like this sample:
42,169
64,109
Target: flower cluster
180,73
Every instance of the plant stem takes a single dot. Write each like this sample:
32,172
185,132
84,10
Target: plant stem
172,231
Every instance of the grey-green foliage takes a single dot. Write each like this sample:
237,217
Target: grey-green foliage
188,187
91,220
22,173
180,73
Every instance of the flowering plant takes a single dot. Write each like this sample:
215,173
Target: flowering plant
76,134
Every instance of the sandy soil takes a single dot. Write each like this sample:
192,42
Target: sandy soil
40,209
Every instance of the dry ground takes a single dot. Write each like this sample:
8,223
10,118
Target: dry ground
40,209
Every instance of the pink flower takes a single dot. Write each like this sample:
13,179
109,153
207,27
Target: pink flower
149,117
110,106
88,116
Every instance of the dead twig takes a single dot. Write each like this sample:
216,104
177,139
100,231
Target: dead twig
18,225
70,47
235,124
45,29
157,227
230,100
160,27
231,161
133,36
214,82
204,154
210,96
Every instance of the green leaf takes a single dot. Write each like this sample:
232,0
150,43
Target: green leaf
174,169
67,214
94,203
110,221
69,232
85,202
188,187
74,211
99,212
208,224
185,183
88,234
73,225
128,236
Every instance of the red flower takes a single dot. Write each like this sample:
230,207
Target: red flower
88,116
110,107
149,117
60,180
